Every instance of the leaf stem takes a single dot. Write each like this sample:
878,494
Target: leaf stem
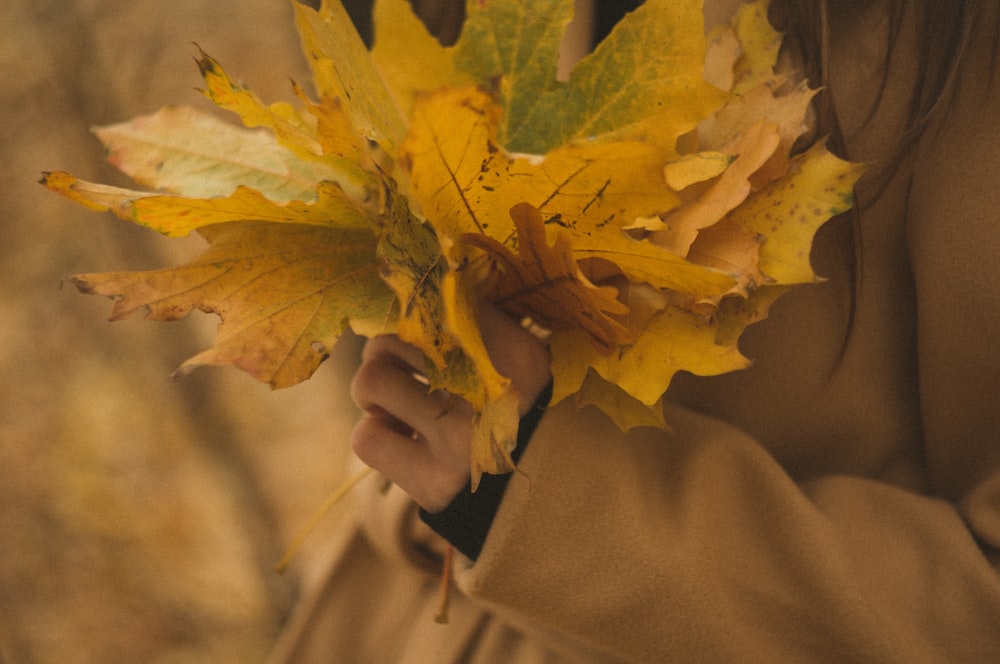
332,500
445,602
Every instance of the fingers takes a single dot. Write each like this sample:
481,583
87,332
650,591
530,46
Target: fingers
516,353
431,479
384,385
416,437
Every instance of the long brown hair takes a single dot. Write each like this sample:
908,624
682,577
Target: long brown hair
944,30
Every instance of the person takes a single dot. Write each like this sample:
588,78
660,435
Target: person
839,501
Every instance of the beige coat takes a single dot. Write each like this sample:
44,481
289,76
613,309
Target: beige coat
817,507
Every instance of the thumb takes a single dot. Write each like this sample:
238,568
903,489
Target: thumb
516,353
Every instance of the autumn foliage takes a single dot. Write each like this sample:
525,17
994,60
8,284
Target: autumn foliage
643,212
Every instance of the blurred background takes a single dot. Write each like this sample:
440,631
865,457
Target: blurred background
140,519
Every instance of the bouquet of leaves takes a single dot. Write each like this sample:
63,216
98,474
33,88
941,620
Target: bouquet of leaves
643,212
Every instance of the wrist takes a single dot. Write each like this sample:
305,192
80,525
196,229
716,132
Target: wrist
467,520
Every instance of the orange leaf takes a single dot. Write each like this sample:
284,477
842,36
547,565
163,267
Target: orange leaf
546,284
751,149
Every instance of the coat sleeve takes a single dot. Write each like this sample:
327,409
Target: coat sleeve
696,546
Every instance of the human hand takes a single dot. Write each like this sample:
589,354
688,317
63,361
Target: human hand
418,438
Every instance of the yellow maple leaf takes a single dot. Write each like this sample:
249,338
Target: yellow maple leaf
673,340
789,212
408,57
331,139
287,123
464,182
284,294
176,216
627,411
760,45
342,69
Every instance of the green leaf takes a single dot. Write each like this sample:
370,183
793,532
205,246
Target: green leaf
653,58
518,41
